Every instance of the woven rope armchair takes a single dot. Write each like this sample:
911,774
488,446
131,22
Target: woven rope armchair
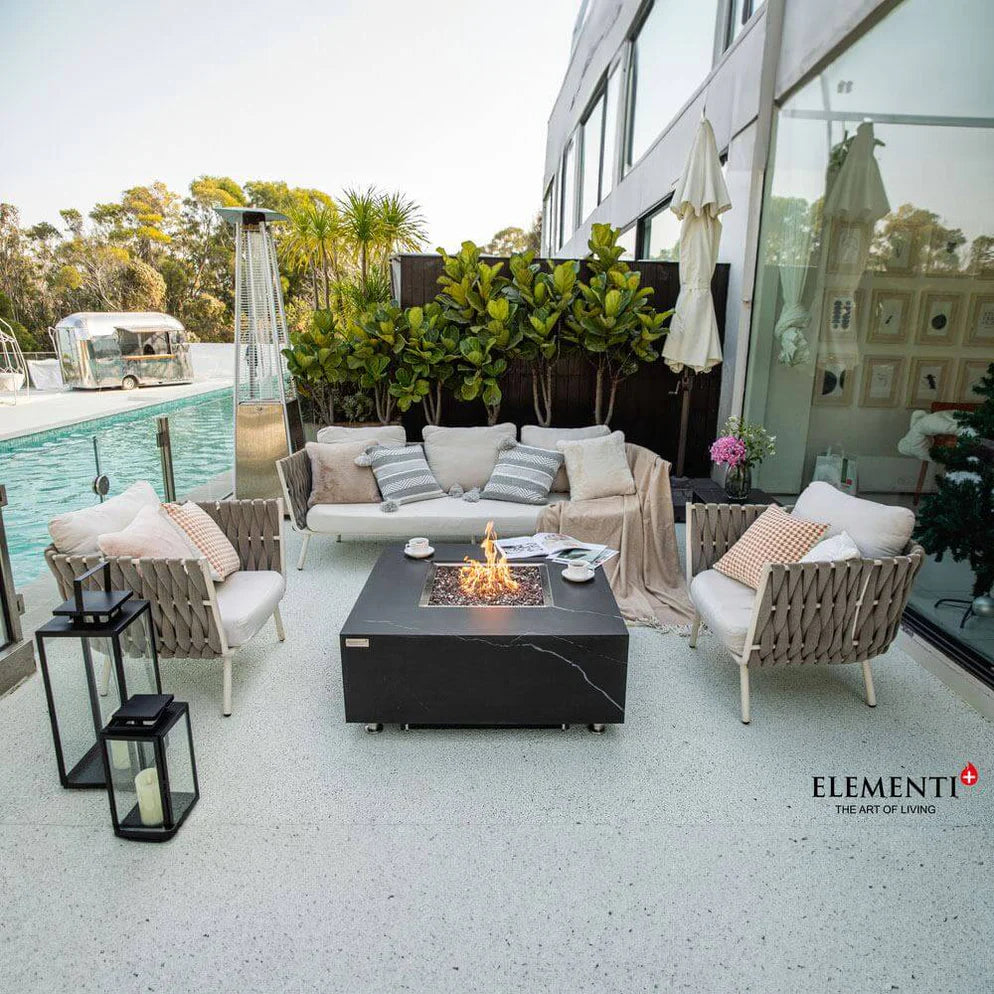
295,478
184,600
805,613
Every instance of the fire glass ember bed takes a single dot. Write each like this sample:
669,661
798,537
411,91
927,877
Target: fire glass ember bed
431,643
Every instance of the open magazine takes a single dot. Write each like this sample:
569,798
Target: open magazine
557,548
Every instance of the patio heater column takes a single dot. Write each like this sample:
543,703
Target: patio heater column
267,414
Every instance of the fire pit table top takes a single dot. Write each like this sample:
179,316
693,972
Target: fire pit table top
390,603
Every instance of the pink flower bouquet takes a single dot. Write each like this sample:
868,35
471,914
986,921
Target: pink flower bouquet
728,451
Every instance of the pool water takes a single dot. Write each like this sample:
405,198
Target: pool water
51,472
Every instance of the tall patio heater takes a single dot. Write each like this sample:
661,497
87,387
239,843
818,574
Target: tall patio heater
267,413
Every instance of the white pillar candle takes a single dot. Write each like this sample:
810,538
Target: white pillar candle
120,758
149,801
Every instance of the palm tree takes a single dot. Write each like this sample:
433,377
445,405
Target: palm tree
403,225
362,226
314,239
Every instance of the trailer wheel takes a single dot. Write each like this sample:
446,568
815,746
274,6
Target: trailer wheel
129,383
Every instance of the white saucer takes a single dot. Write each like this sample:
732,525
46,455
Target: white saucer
423,554
586,579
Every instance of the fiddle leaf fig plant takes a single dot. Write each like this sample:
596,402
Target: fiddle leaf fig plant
317,360
475,299
612,321
544,298
377,340
428,360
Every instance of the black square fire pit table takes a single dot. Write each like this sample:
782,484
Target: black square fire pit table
564,661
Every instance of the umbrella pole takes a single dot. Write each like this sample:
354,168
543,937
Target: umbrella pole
686,384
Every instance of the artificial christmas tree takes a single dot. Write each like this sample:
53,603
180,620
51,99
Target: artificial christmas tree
959,517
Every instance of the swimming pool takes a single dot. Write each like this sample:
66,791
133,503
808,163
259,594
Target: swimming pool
50,472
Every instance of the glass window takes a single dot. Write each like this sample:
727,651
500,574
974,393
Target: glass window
670,57
874,302
612,104
627,241
547,202
568,215
592,133
739,14
661,235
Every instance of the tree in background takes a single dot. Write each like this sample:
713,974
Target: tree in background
512,241
957,518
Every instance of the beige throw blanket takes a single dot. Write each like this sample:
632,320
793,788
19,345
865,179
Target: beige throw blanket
645,575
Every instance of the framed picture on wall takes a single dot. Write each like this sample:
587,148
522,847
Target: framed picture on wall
847,248
938,319
929,381
883,377
890,317
971,372
980,330
840,317
833,383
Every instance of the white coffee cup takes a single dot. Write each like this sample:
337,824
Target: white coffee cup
579,571
417,544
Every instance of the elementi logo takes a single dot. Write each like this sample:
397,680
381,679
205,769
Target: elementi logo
875,795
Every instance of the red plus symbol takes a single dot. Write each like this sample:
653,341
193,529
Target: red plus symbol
969,775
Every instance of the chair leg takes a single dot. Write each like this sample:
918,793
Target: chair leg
303,550
871,694
278,619
695,629
744,692
226,686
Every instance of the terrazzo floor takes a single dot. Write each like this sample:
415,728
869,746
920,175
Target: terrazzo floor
680,852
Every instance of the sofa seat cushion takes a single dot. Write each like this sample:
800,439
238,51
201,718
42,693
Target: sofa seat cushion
246,601
880,530
725,606
464,457
449,517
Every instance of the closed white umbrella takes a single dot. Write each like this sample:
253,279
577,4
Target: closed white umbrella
692,345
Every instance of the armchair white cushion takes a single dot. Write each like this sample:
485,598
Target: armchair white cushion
246,600
879,530
725,606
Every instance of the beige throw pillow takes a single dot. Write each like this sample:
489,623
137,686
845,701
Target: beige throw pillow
151,535
549,438
336,479
464,456
598,467
204,533
774,537
77,532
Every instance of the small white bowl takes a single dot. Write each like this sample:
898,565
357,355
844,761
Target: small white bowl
578,579
422,553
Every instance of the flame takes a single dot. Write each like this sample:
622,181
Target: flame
487,580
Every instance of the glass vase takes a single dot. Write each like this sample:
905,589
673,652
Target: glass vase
738,482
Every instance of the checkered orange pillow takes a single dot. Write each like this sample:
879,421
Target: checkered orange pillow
203,532
774,537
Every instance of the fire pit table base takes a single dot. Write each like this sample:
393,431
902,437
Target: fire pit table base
404,663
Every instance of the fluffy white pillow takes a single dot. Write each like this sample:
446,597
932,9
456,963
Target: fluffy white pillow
880,530
76,533
151,535
832,550
464,456
384,434
549,438
597,467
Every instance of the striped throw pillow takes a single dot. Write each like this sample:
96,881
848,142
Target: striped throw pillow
523,474
774,537
402,474
204,533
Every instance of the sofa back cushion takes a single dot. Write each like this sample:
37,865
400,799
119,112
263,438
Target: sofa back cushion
548,438
464,456
335,477
77,533
401,473
523,474
774,537
879,530
386,434
598,467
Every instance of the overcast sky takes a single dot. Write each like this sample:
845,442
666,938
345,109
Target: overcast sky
446,100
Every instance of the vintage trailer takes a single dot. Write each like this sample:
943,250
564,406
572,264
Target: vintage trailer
122,349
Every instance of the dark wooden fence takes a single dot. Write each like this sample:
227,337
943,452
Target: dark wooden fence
647,409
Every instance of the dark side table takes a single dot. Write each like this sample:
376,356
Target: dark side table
704,490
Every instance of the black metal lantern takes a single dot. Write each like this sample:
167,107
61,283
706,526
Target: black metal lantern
97,650
150,766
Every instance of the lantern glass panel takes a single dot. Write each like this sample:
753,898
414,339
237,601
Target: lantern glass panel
179,763
135,783
70,662
138,657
